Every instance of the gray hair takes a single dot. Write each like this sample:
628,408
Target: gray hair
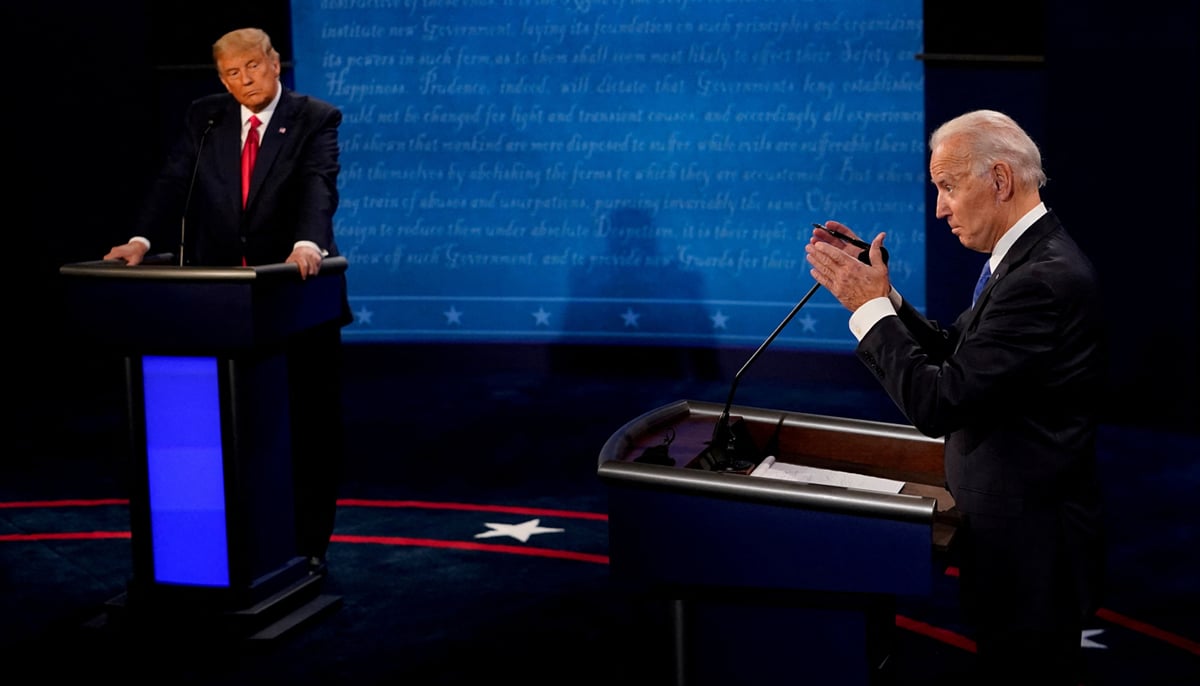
991,137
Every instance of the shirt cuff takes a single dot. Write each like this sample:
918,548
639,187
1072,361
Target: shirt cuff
143,241
312,246
872,311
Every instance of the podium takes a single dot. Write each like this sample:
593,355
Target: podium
768,580
206,385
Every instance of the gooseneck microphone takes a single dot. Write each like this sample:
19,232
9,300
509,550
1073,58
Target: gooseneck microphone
187,200
725,452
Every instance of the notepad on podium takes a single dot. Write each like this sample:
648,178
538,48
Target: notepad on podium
770,468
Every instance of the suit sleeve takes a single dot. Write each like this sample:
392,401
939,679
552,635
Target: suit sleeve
318,181
943,380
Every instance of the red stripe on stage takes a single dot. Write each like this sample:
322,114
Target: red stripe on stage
944,635
64,503
1152,631
70,536
1134,625
467,507
468,545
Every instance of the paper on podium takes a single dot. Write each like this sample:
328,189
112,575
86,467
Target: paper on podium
771,469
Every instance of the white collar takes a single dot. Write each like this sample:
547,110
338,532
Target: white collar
265,115
1006,241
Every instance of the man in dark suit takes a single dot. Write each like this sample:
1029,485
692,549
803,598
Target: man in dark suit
284,214
1013,386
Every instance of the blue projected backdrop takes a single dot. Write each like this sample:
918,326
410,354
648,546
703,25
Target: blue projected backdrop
615,171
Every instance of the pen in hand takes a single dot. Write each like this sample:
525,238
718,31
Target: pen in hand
865,256
843,237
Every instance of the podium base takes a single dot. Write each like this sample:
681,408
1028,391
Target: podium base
290,610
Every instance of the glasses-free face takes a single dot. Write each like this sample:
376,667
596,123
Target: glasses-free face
968,200
251,77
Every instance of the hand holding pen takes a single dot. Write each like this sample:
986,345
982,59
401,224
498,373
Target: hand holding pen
852,283
865,255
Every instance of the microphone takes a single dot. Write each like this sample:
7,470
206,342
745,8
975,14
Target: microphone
187,200
726,451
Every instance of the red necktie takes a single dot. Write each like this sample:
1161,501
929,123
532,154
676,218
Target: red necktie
249,154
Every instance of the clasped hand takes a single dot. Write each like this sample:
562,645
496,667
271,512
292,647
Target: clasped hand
836,266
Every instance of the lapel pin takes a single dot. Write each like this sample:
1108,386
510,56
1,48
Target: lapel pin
283,129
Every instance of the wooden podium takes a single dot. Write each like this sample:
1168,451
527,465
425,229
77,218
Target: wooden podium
211,504
772,580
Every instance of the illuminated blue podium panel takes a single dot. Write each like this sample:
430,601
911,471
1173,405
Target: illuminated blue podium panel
206,367
785,572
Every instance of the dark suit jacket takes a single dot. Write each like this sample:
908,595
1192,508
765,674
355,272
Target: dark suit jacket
293,192
293,197
1014,386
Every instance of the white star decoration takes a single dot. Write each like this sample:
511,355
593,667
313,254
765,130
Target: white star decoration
541,317
1086,641
521,531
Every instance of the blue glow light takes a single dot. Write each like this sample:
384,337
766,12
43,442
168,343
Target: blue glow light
185,470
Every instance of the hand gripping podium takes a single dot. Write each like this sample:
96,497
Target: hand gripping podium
774,580
211,504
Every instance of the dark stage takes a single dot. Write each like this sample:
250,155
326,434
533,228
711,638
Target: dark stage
450,444
435,589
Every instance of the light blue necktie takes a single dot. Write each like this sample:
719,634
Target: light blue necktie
984,275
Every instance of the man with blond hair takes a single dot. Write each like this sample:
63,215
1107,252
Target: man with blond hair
253,176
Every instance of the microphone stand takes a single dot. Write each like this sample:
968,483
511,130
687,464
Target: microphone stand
187,200
722,450
723,447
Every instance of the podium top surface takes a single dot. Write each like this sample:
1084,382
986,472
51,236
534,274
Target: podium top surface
867,447
198,310
116,269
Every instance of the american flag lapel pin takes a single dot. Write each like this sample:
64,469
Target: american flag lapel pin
283,129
